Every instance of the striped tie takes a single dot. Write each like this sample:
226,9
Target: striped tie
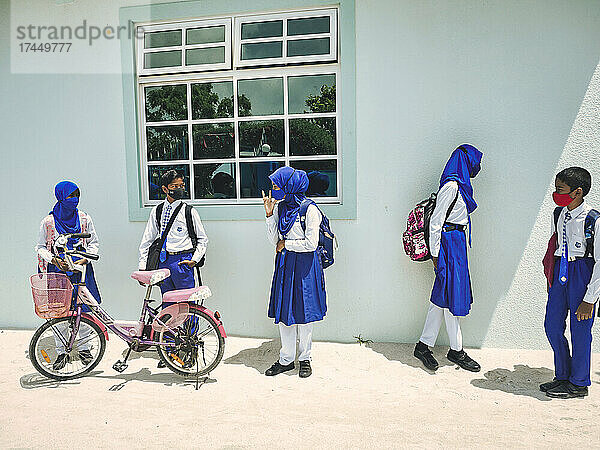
163,226
564,257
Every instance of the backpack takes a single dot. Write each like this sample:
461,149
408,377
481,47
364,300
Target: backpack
416,236
327,241
588,229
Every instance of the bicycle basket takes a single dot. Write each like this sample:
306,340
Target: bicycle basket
52,294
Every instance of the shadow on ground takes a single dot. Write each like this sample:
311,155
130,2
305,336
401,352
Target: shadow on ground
260,358
523,380
404,354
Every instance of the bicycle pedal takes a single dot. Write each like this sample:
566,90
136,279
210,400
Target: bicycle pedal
119,366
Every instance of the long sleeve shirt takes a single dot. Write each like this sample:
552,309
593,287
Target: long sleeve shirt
458,215
178,238
577,244
297,240
90,245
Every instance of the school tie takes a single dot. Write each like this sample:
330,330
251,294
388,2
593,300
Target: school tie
564,257
163,226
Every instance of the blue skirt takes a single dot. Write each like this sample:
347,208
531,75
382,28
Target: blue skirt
298,288
452,287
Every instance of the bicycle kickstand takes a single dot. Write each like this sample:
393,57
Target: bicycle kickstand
120,366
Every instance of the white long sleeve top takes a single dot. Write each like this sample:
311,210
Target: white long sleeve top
91,245
178,238
297,240
458,215
577,244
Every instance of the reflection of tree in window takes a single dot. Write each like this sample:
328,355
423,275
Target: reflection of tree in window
166,103
167,143
207,104
213,141
322,103
254,136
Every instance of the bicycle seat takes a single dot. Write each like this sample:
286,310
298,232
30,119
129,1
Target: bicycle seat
187,295
151,276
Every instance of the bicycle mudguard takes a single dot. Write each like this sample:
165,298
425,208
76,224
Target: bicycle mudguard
93,319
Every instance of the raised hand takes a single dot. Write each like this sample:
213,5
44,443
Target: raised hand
269,203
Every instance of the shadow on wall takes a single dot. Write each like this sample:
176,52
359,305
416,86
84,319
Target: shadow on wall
523,380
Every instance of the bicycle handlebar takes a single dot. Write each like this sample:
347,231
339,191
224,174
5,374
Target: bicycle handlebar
80,235
87,255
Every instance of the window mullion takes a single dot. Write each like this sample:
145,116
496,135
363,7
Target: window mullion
190,139
236,134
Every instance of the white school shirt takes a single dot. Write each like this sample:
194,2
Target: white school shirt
178,238
296,239
458,215
577,244
92,243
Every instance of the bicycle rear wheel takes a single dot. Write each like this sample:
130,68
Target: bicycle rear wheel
194,348
48,353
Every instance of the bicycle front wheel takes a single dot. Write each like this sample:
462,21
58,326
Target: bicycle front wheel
49,353
194,348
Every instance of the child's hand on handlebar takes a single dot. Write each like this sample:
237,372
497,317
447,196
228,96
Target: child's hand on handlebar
60,263
82,261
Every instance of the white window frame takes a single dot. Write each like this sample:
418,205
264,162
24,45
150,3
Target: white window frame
183,26
332,35
207,73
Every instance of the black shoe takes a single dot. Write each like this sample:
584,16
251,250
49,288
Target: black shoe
545,387
85,356
60,362
567,390
161,364
305,369
463,360
277,368
426,356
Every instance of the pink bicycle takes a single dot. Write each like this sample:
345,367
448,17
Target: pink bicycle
189,338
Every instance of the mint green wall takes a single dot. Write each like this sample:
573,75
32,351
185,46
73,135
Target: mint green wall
507,76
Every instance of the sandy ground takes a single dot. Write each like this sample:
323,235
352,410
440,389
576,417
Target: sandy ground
358,397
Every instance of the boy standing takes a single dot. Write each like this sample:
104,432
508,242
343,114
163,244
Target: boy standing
575,287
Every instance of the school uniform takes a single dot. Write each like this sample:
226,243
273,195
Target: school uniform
298,297
451,296
575,279
178,245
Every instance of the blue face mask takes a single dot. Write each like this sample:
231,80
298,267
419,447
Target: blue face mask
475,170
69,204
278,194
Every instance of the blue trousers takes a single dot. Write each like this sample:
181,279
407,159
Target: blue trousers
563,299
182,276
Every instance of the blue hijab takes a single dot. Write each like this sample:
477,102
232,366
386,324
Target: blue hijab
464,164
295,184
66,215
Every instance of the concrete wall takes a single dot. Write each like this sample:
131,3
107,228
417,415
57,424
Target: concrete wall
514,78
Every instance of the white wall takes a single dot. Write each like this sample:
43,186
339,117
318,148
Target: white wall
506,76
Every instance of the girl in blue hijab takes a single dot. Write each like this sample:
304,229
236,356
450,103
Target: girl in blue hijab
298,297
66,218
451,296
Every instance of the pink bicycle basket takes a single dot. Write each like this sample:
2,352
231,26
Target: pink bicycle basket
52,294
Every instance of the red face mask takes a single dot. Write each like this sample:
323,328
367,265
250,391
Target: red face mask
562,199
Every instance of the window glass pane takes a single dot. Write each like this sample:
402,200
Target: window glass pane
306,47
167,143
162,59
262,50
206,35
311,94
211,55
214,181
156,172
262,138
213,140
166,103
255,178
162,39
262,29
312,136
322,176
211,100
311,25
261,97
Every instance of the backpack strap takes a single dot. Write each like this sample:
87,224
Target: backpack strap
190,225
556,213
589,231
303,209
159,209
451,206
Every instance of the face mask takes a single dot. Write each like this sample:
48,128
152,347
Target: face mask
176,194
277,194
562,199
70,203
475,170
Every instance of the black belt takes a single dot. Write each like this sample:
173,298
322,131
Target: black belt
454,226
573,258
181,252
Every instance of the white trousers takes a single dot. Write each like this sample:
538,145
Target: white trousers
433,322
289,336
65,334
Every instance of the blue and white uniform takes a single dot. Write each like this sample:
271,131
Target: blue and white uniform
582,284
